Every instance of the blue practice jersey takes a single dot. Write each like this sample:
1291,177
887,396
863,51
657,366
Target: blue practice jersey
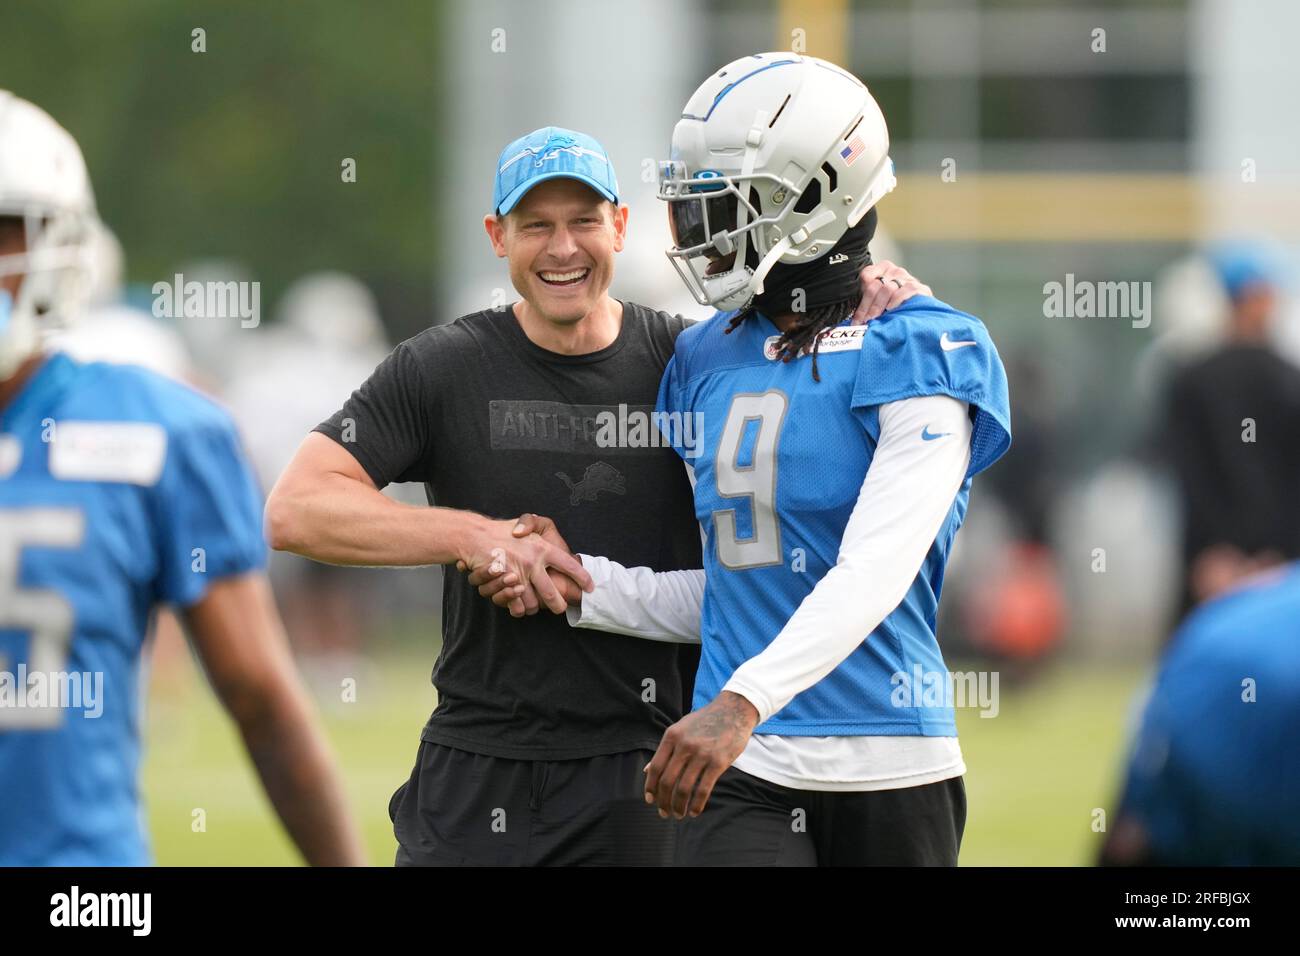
119,490
779,462
1214,778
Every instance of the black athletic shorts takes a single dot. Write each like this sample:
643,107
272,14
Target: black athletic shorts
463,808
751,822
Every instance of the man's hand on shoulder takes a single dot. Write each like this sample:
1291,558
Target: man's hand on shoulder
886,286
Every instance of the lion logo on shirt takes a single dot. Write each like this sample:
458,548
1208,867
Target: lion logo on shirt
597,478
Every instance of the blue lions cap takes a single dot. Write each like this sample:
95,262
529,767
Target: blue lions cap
551,153
1241,265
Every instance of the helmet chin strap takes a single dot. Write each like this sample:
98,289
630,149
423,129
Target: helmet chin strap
768,261
730,291
738,287
823,217
753,285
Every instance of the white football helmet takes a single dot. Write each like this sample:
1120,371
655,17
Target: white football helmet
775,157
43,181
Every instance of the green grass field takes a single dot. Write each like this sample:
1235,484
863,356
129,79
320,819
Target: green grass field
1035,773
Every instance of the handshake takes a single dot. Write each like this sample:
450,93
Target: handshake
524,564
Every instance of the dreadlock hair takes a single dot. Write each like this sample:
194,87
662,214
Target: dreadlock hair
832,293
806,330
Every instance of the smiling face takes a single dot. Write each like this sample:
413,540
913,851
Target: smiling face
560,241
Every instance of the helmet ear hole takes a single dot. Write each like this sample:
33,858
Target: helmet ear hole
832,177
811,197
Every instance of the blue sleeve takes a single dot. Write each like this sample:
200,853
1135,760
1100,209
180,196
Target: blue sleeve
927,348
209,511
1156,793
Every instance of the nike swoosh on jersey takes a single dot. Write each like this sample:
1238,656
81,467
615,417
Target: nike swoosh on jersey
948,344
927,435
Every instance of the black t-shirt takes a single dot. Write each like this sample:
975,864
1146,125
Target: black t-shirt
1235,491
493,423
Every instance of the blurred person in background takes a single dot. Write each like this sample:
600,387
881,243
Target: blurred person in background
219,350
111,330
120,490
326,337
1230,433
1214,776
1191,310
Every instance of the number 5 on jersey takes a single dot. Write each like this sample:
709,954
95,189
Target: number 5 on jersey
47,615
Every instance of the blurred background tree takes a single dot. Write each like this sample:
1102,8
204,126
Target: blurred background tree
236,153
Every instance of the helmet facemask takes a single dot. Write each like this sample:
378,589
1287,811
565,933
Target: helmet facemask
717,227
55,267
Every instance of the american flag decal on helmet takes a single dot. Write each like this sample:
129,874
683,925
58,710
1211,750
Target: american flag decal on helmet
851,152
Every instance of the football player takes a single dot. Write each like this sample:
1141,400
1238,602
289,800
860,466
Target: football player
120,490
834,473
1213,778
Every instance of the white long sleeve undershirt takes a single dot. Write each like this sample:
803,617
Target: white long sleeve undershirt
907,494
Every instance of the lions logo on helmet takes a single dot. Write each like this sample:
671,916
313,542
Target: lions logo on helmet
775,157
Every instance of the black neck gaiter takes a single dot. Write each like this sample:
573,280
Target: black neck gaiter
827,280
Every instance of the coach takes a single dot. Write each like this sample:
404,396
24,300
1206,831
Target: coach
534,752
